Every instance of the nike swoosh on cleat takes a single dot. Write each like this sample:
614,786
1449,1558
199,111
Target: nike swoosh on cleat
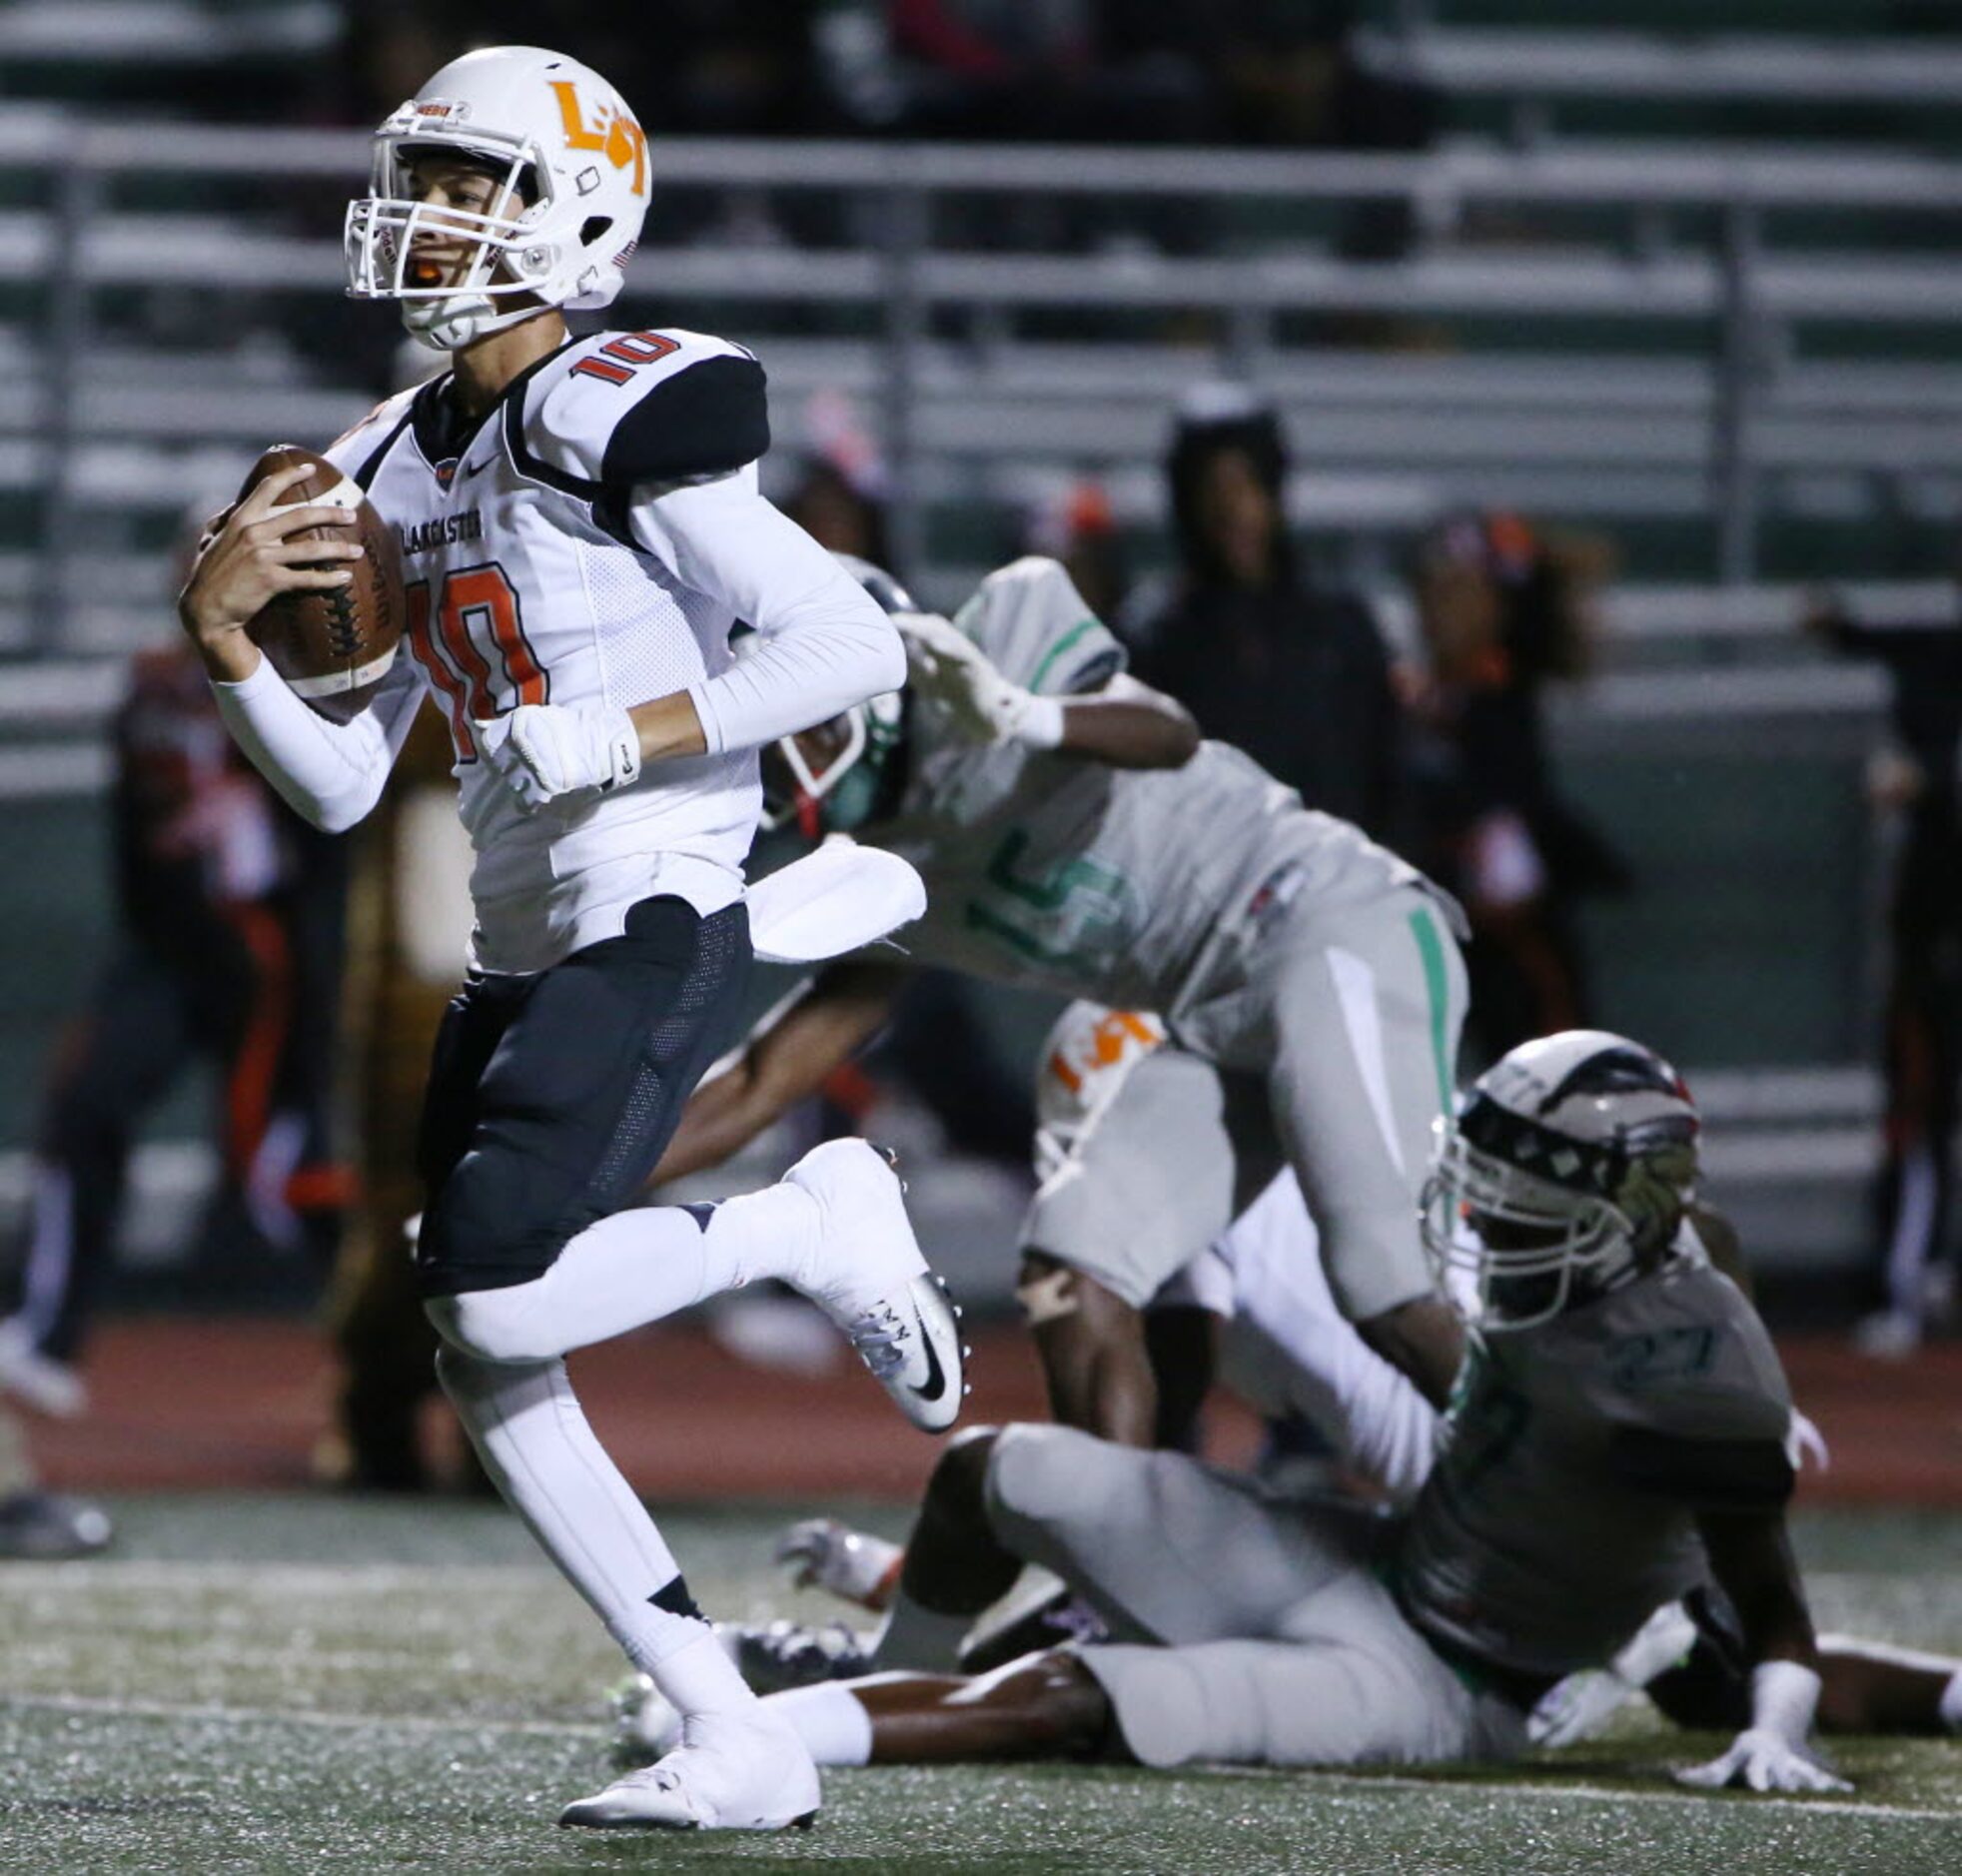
936,1376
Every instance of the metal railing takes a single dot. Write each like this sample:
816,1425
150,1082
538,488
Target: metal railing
1722,275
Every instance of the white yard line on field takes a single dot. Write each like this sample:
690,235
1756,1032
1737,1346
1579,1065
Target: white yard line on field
1359,1782
1599,1794
281,1716
271,1578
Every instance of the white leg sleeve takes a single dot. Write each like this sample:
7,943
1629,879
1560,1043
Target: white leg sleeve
634,1268
533,1439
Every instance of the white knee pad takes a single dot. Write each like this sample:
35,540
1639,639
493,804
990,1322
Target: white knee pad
1037,1470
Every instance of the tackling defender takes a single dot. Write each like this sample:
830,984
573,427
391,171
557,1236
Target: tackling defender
581,528
1076,834
1618,1442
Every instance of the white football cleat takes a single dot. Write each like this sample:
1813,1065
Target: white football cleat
745,1771
868,1275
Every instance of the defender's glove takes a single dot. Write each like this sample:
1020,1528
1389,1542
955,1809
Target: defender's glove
1772,1755
545,750
984,706
1580,1705
822,1553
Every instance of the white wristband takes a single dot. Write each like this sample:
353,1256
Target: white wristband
1040,723
1784,1697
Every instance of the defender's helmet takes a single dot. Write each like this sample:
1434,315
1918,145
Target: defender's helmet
572,162
829,778
1565,1176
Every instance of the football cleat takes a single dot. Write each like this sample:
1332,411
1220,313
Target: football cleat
732,1771
775,1656
48,1528
854,1565
868,1275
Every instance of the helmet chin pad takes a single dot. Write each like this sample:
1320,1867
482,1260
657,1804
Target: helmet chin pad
450,325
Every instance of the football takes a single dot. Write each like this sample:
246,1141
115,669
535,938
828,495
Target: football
333,647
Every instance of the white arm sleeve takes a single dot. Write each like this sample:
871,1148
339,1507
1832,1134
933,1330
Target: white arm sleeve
1379,1422
826,642
328,773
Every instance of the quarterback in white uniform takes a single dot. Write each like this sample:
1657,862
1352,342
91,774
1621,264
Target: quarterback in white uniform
580,530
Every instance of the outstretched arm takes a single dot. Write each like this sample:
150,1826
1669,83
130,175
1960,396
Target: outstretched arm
1124,723
1129,725
781,1064
1751,1560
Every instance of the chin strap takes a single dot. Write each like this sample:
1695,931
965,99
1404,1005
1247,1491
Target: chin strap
448,325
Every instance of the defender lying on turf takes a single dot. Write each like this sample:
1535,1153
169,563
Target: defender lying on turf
1618,1442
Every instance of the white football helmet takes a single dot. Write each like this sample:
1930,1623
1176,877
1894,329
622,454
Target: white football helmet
1565,1176
574,164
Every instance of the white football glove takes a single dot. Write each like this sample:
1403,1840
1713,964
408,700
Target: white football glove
822,1553
545,750
1763,1760
1580,1705
1579,1708
949,667
1772,1755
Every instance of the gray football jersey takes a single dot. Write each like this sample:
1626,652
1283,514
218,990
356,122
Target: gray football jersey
1122,885
1560,1512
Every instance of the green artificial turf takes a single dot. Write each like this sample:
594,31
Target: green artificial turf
304,1685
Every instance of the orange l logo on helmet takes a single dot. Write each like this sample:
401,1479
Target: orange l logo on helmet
616,136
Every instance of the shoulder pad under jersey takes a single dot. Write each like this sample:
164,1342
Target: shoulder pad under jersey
1039,631
358,450
620,409
1686,1367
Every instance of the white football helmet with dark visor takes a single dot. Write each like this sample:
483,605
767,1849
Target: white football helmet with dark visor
571,166
1565,1176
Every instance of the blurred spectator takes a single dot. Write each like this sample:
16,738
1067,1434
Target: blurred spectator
229,952
838,513
35,1524
1287,75
1503,613
1913,783
709,67
1104,71
839,495
1294,673
408,927
1078,528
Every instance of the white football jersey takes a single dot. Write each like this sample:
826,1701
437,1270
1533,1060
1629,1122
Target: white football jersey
527,582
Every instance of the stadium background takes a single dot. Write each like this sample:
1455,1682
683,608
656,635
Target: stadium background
1690,294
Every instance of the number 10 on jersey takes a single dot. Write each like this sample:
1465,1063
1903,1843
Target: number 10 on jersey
472,645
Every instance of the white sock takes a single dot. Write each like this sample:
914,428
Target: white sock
1950,1709
635,1268
918,1638
831,1721
700,1680
533,1439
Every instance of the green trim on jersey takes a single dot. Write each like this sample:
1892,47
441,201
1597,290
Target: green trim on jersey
1431,948
1069,899
1061,645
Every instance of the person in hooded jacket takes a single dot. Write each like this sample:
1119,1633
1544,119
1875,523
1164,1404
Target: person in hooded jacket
1294,674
